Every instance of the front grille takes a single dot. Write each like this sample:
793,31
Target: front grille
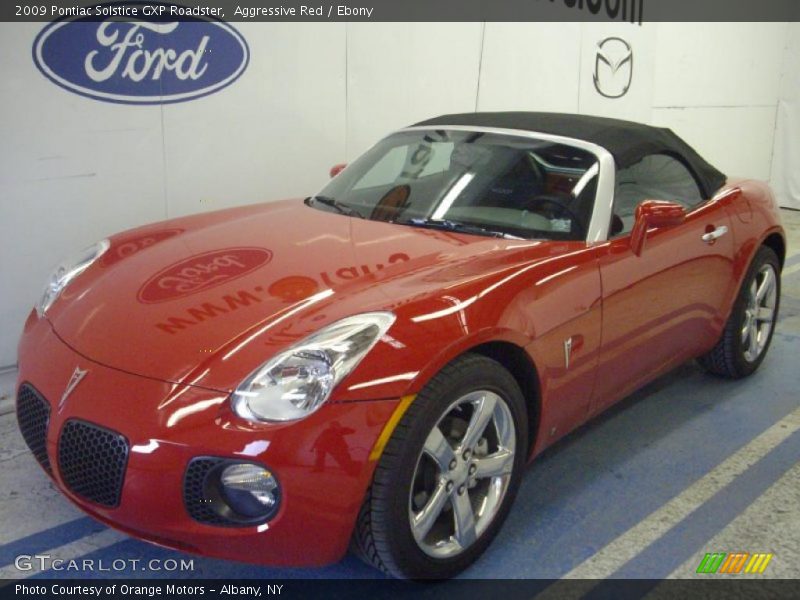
33,416
92,461
195,496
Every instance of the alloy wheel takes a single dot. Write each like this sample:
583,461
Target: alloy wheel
759,314
462,474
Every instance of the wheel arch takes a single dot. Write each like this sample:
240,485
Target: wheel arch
774,239
507,347
776,242
521,366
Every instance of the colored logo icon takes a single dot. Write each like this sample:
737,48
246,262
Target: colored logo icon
734,563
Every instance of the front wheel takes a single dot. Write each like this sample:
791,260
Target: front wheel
448,475
748,332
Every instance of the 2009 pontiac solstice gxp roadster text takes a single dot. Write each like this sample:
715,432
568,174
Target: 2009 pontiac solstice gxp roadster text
373,366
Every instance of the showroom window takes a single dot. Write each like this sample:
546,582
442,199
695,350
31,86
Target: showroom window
655,177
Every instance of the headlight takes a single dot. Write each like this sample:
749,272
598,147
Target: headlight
297,381
67,271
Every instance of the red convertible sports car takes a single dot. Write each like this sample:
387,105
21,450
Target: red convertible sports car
372,367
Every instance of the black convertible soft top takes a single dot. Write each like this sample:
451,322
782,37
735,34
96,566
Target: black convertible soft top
628,142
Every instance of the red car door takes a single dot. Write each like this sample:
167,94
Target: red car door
666,305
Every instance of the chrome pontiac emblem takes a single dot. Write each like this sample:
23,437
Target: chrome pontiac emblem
614,79
77,376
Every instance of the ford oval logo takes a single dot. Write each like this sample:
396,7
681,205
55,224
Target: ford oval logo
147,61
201,272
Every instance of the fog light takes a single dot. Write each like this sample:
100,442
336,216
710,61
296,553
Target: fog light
250,490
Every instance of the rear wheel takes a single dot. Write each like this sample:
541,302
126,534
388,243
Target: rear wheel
448,475
748,332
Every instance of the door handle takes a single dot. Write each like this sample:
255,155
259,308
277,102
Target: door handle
713,236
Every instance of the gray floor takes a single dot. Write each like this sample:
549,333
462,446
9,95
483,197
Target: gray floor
688,466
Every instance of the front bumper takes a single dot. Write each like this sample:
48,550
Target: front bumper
322,462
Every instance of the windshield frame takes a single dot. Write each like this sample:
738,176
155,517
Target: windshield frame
600,222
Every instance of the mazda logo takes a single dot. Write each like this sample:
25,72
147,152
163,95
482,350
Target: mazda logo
613,70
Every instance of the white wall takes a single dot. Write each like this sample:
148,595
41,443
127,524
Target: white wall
402,73
785,171
530,64
272,134
717,84
73,170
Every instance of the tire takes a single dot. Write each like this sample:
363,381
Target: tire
409,479
745,340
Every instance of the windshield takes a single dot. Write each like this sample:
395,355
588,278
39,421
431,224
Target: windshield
476,182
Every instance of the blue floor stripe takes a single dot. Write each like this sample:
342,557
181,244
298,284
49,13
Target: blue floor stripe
49,538
690,535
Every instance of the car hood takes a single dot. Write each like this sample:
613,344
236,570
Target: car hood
173,299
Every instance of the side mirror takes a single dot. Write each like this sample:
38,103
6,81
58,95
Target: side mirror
336,169
654,213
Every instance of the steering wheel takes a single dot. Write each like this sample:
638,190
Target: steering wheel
576,226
